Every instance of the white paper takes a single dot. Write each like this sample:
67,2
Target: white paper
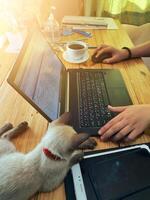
83,22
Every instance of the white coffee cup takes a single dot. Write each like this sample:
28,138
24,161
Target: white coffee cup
76,50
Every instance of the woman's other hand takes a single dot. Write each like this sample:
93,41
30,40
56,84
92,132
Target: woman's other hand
127,125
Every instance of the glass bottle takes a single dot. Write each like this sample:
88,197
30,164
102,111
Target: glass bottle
52,27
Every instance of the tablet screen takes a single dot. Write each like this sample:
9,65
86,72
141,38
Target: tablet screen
120,176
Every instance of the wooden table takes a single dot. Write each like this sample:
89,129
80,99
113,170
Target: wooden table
15,109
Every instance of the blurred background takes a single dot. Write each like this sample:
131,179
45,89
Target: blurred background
135,12
20,14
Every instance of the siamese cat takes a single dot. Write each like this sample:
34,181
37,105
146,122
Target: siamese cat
45,167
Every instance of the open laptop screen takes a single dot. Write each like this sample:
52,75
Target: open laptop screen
37,74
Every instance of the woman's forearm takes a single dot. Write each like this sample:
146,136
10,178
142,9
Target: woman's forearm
142,50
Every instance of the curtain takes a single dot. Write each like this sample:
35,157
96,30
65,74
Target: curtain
127,11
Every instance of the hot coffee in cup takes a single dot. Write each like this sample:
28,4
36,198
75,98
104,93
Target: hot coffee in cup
76,46
76,50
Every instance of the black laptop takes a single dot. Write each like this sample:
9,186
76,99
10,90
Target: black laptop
41,78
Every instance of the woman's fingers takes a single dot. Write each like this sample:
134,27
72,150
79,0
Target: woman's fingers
115,128
113,121
109,60
103,51
109,124
117,109
132,136
122,133
99,48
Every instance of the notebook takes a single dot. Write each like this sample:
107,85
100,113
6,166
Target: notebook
41,78
111,175
84,22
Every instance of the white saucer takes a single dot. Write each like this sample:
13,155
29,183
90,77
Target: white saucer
66,58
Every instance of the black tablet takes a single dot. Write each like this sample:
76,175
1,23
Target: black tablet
112,175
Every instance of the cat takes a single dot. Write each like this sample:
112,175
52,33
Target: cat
45,167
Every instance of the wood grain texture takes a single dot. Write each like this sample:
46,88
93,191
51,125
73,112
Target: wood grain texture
15,109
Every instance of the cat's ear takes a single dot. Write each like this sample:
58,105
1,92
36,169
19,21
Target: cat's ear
63,119
78,139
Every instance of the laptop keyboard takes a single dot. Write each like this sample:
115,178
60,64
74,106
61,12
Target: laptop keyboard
93,100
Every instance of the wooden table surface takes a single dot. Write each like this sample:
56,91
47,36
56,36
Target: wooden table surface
15,109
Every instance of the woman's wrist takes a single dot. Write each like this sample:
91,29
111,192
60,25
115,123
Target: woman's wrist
129,52
124,53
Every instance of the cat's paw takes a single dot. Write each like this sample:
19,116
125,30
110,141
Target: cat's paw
22,126
90,143
77,157
6,128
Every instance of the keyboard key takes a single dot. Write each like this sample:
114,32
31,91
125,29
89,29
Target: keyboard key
93,100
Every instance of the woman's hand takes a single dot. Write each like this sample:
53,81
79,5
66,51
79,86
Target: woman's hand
127,125
116,55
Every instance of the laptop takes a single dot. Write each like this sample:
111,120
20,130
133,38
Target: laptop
42,79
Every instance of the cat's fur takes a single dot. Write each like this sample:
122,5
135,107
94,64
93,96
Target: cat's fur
22,175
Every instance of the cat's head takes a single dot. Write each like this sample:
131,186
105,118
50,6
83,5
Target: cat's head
62,139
